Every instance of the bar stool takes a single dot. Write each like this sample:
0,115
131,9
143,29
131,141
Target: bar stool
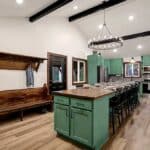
125,101
116,108
135,99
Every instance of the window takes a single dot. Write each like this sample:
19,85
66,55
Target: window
132,70
57,75
79,71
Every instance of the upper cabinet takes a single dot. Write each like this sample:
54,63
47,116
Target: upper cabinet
116,66
146,60
113,66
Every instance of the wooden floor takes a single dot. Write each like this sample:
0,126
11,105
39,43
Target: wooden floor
36,133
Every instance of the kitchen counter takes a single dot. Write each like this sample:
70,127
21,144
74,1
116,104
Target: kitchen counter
82,115
91,93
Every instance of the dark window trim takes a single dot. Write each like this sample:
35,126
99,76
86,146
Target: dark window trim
49,54
86,70
130,63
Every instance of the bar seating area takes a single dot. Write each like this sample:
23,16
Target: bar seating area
123,103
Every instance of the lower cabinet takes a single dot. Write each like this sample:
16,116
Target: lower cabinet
81,125
61,117
83,121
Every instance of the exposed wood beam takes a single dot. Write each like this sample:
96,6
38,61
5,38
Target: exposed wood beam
126,37
136,35
104,5
49,9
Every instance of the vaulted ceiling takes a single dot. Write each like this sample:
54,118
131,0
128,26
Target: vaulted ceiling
116,17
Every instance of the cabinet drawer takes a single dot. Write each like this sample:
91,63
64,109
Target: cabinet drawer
61,100
79,103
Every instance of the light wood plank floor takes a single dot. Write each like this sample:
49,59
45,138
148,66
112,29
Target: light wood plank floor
36,133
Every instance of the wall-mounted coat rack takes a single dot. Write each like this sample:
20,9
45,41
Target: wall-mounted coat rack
19,62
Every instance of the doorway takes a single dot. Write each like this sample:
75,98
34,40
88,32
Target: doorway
57,72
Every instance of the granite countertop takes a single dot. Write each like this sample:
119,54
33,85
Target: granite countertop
87,93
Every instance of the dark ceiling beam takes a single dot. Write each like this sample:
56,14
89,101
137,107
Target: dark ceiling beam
49,9
136,35
104,5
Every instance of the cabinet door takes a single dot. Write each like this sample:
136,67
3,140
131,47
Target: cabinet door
146,60
116,66
81,126
61,119
92,69
107,65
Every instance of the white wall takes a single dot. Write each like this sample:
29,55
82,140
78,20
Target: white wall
50,34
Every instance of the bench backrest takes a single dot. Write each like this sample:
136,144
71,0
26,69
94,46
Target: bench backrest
23,95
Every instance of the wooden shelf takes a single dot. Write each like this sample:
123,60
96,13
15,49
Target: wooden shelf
19,62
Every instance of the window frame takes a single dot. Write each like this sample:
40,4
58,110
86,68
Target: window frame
124,70
78,60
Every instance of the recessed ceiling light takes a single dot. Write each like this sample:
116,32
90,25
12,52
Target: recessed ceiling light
131,18
100,26
75,7
19,2
139,46
115,50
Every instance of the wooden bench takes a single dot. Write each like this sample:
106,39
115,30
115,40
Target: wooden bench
23,99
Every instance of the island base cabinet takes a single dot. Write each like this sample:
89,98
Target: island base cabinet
61,119
81,126
83,121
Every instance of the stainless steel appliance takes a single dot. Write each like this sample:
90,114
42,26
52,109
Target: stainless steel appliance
146,77
146,69
102,74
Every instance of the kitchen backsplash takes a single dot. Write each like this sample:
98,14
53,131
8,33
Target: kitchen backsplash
118,78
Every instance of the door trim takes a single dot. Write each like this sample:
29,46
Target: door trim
49,54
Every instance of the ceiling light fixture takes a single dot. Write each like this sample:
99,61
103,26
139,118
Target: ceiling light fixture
19,2
100,26
105,40
139,46
75,7
115,50
131,18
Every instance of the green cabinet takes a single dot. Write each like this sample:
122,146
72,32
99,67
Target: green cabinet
146,60
116,66
61,118
113,66
81,120
94,61
107,65
81,125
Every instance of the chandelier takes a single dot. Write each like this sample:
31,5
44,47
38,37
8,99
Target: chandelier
105,40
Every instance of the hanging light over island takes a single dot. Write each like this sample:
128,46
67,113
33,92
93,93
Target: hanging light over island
105,40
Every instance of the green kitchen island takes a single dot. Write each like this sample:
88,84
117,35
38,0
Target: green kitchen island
82,115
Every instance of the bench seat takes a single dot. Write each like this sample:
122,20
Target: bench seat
20,100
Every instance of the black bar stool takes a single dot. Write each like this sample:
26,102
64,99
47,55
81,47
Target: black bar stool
116,109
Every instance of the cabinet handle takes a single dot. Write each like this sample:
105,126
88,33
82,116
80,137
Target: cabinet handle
79,104
71,114
67,113
59,107
60,100
81,112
